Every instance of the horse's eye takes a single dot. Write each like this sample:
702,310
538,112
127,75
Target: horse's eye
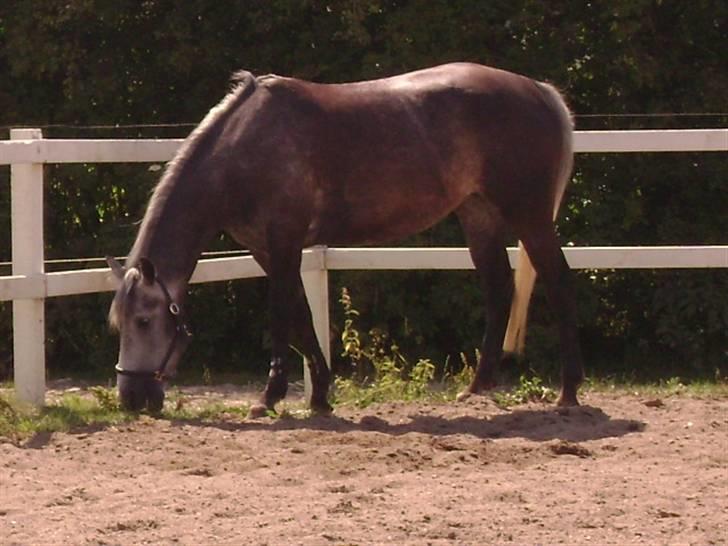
142,322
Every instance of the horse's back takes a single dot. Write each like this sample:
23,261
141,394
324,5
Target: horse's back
462,75
381,159
435,106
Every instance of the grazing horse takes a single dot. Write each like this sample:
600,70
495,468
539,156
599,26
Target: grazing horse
281,164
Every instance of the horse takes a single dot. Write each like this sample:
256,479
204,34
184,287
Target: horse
281,164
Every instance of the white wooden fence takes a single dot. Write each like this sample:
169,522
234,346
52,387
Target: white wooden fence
28,285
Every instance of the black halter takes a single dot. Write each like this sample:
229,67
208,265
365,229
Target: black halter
181,330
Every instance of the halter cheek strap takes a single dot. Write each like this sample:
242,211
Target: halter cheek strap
181,331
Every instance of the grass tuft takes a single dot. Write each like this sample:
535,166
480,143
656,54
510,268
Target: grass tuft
18,422
73,411
527,390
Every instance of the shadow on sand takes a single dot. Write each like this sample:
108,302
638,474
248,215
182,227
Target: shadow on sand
551,423
543,424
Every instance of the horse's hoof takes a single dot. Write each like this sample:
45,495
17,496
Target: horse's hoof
322,408
567,401
258,411
463,396
474,389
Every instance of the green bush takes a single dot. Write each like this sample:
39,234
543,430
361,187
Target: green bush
618,58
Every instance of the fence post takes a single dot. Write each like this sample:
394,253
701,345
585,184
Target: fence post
26,211
316,285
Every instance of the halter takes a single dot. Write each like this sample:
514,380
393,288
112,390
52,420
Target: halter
181,329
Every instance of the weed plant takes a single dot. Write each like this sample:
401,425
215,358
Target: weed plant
380,372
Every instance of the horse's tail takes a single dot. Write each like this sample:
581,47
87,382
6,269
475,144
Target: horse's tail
525,276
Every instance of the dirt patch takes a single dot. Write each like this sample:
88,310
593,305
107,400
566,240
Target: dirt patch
619,470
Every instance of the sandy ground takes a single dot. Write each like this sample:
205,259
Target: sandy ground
622,469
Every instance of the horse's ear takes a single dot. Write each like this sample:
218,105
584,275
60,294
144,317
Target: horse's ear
149,273
116,268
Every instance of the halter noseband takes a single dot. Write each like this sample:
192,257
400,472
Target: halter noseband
181,329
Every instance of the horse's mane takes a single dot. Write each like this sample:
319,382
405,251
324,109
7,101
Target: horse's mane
243,86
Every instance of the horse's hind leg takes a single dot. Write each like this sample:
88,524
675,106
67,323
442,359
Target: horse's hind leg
483,226
307,342
549,262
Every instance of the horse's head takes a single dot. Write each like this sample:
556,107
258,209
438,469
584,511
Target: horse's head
153,334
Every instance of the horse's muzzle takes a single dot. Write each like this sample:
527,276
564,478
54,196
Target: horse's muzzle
138,393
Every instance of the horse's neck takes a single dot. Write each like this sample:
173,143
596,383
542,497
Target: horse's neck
173,242
177,226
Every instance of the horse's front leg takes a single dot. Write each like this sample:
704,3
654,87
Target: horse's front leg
283,275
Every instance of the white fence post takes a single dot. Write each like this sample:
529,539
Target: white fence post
316,285
26,198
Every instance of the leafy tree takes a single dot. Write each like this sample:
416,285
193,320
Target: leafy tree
69,65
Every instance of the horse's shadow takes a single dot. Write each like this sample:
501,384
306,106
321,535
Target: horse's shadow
573,424
550,423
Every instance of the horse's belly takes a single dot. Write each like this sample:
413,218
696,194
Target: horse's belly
393,177
394,216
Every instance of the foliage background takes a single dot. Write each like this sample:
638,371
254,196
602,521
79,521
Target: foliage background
93,68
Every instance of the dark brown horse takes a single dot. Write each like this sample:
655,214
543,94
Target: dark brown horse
281,164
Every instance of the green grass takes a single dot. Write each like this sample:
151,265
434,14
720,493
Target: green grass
530,388
72,411
673,386
178,407
100,407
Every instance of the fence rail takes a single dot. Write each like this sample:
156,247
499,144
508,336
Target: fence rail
29,285
38,150
89,281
